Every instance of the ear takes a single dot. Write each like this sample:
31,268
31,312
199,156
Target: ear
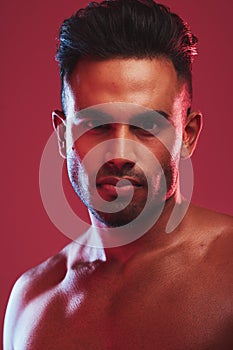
59,125
191,132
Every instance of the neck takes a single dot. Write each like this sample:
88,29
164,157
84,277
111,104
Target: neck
155,238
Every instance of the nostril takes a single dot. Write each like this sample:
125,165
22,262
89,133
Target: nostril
121,163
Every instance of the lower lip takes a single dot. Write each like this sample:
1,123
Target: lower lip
116,191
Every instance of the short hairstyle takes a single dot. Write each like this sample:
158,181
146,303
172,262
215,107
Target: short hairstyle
126,29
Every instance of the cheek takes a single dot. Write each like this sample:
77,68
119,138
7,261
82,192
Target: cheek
170,143
91,156
165,162
81,147
158,152
77,140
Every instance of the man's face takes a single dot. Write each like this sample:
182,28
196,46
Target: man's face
124,93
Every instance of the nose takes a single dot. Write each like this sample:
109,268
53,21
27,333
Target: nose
121,153
121,163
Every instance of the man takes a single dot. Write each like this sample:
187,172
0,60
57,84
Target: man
126,94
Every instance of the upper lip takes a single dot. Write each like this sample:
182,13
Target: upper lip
113,180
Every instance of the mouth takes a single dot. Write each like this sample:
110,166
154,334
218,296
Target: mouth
118,186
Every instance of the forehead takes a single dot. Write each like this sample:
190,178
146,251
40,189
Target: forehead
151,83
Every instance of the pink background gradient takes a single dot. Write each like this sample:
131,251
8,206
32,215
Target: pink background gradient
30,91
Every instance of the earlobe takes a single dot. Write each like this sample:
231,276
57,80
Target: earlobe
191,132
59,125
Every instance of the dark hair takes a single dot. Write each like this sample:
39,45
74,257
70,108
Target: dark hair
127,29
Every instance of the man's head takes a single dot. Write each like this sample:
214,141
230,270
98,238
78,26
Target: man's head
126,29
125,67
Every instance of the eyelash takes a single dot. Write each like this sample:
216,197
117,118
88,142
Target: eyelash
145,127
90,125
140,127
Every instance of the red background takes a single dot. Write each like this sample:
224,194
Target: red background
30,91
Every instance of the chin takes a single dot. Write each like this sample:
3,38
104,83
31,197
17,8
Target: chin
118,218
134,215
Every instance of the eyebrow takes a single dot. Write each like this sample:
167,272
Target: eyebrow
152,113
95,113
164,114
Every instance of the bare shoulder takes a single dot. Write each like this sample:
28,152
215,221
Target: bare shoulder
211,218
216,231
42,277
210,222
29,286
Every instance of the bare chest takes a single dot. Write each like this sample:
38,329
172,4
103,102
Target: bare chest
146,309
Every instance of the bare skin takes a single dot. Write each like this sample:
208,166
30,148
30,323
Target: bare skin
162,291
175,296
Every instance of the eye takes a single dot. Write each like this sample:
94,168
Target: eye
93,120
95,125
148,126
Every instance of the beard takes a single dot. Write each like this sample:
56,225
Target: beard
150,195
